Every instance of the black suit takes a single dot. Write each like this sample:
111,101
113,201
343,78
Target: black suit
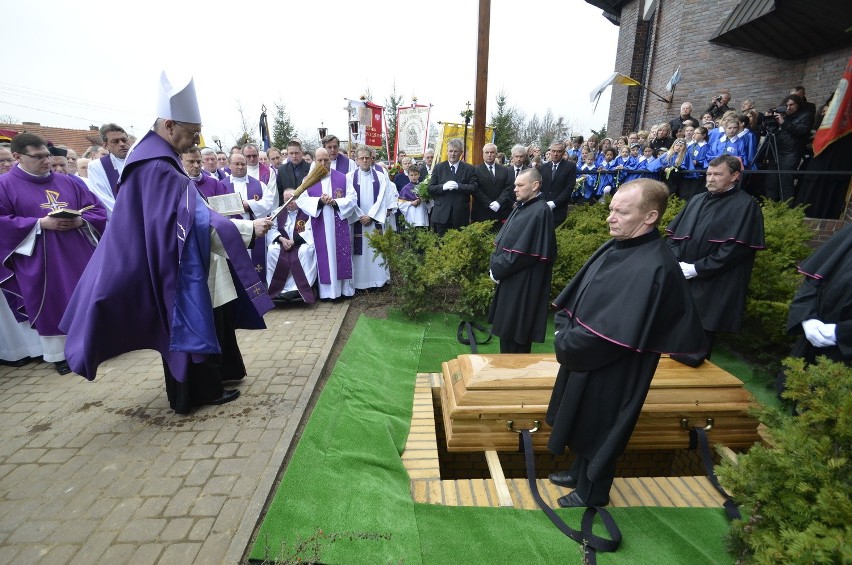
290,176
558,188
452,207
513,174
492,187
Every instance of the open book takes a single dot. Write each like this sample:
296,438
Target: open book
230,204
68,213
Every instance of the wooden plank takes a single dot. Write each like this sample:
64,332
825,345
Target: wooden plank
521,494
631,497
496,470
698,486
670,488
659,495
616,496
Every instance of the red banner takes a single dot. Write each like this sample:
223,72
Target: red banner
373,132
838,118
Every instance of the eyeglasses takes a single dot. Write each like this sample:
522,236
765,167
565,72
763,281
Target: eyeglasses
38,156
195,134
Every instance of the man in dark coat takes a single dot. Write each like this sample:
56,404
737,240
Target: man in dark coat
493,199
715,238
628,304
451,184
558,180
522,267
293,172
822,307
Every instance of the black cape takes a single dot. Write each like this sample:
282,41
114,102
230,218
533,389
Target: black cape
719,234
627,305
826,294
522,261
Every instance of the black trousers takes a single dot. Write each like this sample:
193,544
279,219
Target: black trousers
203,381
593,493
510,346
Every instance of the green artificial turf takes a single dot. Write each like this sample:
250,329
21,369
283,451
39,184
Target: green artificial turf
346,488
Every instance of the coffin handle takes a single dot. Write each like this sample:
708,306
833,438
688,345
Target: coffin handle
684,423
511,425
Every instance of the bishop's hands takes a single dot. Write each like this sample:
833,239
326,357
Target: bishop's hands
820,334
60,224
261,226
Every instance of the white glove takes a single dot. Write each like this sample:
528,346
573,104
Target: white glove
495,206
451,185
819,334
552,204
490,274
607,189
688,270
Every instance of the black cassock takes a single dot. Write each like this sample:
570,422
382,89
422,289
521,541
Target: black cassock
522,261
826,294
627,305
719,234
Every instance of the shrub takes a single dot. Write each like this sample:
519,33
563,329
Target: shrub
797,491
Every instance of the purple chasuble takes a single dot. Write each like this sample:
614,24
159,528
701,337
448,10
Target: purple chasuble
254,191
137,291
40,285
409,193
209,186
341,163
343,248
357,228
288,262
111,173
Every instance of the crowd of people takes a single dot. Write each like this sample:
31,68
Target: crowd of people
79,237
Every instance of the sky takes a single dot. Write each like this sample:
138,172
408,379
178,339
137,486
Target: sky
68,66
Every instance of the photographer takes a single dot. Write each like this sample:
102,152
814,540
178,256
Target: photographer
790,137
719,105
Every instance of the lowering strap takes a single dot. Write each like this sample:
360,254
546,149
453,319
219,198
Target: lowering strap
468,328
591,543
698,438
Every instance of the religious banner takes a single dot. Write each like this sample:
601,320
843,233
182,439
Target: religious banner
838,118
368,118
412,129
451,131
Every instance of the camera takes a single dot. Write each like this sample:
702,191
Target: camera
718,99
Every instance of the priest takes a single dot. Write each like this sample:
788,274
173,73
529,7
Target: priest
522,267
175,277
339,162
291,263
628,304
104,172
376,197
44,255
208,185
329,204
715,238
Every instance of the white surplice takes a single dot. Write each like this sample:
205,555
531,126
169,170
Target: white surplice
307,254
369,272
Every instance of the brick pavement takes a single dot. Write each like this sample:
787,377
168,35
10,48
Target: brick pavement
105,472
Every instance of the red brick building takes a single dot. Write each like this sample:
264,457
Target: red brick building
77,139
756,49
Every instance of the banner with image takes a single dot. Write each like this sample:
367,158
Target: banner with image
412,130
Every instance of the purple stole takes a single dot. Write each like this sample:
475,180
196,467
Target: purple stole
342,163
408,193
288,263
263,171
258,253
111,173
341,231
357,228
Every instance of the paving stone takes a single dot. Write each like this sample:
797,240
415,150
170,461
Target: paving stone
152,507
180,553
176,529
118,554
207,505
33,531
75,531
201,470
201,529
161,486
141,530
121,514
214,548
146,554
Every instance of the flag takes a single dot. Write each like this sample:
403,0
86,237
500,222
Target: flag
412,129
838,118
674,80
614,78
264,129
450,131
374,118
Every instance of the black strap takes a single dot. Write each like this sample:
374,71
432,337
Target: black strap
699,436
591,543
468,328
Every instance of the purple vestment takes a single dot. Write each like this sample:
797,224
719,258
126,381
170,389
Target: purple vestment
288,262
40,285
343,250
341,163
409,193
146,285
209,186
254,191
111,174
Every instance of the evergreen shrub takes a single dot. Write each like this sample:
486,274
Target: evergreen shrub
796,491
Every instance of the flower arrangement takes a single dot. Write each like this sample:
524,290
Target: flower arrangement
394,170
423,189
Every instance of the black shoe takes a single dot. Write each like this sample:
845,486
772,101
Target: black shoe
18,363
227,396
234,381
573,500
62,367
563,479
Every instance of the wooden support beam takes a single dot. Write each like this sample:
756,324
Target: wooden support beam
496,470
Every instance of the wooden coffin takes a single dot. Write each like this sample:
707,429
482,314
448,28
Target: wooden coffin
482,393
